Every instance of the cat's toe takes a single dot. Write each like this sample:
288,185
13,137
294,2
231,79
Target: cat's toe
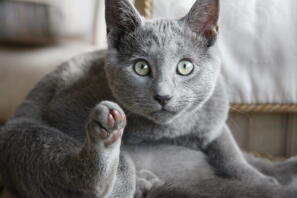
150,177
142,188
106,122
146,181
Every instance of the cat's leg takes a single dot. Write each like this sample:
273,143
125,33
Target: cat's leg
222,188
228,188
284,171
105,127
228,161
38,161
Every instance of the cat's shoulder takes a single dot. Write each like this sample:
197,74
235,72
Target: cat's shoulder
82,66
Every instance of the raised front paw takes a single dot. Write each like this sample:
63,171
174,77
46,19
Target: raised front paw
106,123
145,182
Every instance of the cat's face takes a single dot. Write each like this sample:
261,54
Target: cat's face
160,68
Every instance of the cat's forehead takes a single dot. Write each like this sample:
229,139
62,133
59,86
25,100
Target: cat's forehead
163,25
170,34
161,31
160,36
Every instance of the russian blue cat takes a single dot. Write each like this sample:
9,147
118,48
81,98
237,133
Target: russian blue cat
146,118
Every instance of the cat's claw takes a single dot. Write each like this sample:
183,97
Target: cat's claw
106,122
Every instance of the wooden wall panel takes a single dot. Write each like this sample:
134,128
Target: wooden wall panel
274,134
291,144
239,124
267,133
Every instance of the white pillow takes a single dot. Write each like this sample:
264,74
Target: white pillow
77,16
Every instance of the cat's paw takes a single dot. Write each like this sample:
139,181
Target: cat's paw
145,182
260,178
268,180
106,122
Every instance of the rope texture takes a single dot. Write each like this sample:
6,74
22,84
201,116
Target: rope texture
265,108
148,8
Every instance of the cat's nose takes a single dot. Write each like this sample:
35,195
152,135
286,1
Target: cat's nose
163,100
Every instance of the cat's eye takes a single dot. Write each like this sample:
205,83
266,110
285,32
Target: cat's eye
142,68
185,67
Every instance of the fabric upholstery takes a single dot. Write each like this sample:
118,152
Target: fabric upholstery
28,23
70,19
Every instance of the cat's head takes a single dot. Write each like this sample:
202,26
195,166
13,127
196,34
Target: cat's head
162,68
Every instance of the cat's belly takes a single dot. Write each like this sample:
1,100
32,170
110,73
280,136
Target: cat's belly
171,163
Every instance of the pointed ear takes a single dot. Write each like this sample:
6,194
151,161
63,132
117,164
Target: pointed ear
121,16
203,19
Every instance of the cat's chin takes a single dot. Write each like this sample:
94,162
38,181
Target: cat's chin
163,117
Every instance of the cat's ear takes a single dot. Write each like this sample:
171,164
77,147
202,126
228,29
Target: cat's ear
121,16
203,19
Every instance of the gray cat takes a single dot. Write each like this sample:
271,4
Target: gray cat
146,118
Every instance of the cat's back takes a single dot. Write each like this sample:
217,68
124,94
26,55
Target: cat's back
64,97
86,68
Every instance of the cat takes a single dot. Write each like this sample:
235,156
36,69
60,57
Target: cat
145,118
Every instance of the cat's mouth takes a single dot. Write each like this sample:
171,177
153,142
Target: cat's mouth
164,110
163,115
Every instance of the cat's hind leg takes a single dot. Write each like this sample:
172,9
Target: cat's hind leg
38,161
222,188
285,172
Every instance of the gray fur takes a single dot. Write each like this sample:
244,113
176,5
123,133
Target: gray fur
55,145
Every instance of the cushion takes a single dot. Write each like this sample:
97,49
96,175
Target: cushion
77,16
257,45
28,22
43,21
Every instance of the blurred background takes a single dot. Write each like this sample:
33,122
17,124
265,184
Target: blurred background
258,46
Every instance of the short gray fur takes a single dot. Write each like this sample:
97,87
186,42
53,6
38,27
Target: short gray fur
54,145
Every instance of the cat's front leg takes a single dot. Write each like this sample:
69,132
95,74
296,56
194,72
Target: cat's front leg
227,159
104,168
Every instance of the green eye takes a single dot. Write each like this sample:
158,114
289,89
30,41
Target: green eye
142,68
185,67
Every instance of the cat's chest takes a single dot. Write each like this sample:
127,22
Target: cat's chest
170,162
141,129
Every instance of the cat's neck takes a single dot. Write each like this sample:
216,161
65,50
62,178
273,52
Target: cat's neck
206,118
